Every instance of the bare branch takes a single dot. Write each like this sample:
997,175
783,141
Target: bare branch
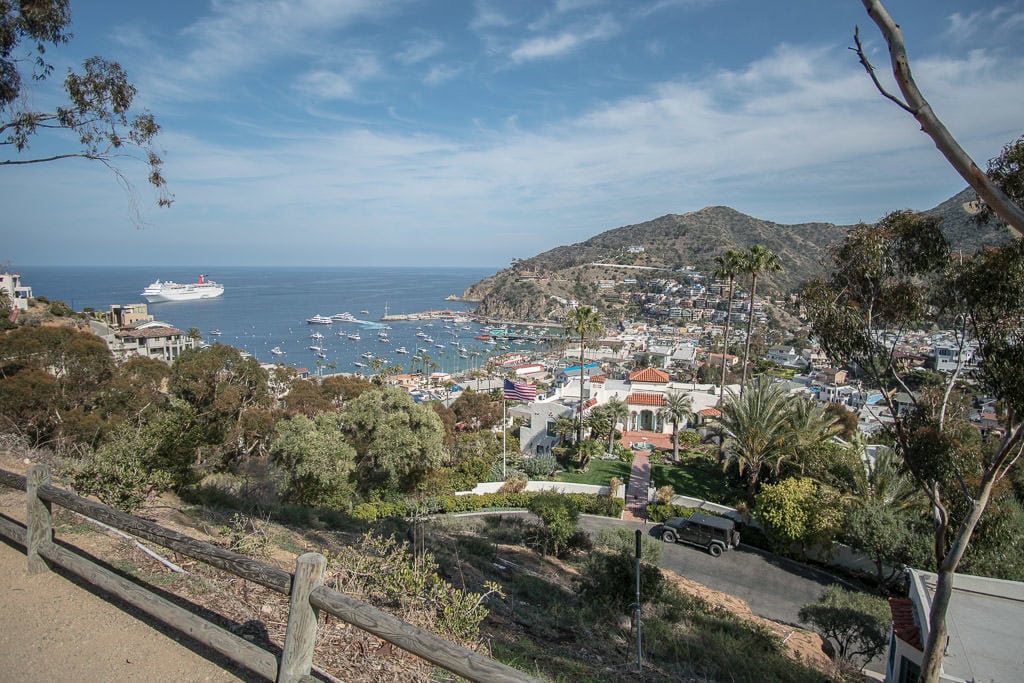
917,105
871,72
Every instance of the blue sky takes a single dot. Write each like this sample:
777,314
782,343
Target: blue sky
462,132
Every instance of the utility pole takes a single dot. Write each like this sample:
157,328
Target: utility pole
639,641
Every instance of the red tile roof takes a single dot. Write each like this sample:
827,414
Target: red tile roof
710,412
903,624
600,379
645,399
650,375
589,403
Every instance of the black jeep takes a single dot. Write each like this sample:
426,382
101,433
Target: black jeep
716,534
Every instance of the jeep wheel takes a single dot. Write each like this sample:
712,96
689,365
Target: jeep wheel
668,536
715,549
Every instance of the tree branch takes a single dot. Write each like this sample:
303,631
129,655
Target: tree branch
917,105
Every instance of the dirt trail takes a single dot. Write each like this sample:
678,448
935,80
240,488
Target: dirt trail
53,630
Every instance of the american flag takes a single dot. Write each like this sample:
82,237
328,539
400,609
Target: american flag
515,391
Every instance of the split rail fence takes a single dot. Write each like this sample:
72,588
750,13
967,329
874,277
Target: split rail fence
305,589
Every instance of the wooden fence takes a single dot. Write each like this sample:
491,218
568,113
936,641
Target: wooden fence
305,589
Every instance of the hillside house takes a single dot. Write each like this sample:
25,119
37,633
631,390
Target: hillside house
983,620
17,293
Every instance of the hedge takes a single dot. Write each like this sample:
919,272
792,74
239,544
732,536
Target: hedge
659,512
585,503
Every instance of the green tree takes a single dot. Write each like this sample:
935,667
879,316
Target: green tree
856,623
615,411
897,276
477,410
565,426
559,515
99,97
890,537
800,511
758,260
727,265
581,323
809,427
678,408
221,385
397,440
315,461
754,426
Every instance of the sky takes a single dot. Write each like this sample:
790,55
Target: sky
472,132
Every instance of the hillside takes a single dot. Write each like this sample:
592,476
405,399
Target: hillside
533,288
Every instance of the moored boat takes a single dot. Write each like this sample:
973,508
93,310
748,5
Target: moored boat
172,291
319,320
277,351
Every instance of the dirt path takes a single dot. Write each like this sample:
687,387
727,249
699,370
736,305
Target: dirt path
53,630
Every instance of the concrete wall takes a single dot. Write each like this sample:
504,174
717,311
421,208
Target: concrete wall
560,486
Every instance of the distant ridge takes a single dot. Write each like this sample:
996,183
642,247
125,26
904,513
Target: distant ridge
537,287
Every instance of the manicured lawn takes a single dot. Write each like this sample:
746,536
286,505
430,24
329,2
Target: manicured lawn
697,478
599,473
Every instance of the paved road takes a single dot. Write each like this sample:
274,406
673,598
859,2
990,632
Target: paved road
775,588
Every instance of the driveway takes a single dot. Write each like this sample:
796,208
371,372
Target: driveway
775,588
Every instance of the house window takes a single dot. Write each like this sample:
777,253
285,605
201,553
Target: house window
909,671
550,433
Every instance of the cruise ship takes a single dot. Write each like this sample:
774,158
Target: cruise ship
172,291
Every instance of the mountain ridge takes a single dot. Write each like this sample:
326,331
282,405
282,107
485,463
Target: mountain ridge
539,287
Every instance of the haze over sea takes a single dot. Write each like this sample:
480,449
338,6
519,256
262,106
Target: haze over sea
264,307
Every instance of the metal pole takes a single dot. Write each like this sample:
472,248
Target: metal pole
504,430
639,641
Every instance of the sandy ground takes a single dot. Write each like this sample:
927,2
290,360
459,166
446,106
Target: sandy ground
54,630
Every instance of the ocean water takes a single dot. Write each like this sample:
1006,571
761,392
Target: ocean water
264,307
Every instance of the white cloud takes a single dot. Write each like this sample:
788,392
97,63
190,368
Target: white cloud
441,73
545,47
418,51
488,15
1001,21
331,85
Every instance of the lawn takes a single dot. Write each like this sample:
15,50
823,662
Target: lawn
697,478
599,472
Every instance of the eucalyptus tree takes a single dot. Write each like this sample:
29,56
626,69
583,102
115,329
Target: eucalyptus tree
754,426
727,265
897,276
678,408
96,114
581,323
758,260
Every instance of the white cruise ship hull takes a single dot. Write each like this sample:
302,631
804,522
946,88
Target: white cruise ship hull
172,291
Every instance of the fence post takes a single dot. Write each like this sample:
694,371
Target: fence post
300,636
37,515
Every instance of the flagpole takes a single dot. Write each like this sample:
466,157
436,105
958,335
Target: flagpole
504,431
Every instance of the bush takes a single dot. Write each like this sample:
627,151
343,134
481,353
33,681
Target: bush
559,514
665,494
857,623
659,512
585,503
60,309
513,484
541,466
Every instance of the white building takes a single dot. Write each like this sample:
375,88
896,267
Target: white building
19,295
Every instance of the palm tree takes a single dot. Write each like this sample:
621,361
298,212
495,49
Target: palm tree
728,265
754,426
677,408
564,426
760,259
584,321
615,411
810,426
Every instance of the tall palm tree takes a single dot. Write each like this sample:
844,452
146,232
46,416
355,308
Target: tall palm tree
677,408
810,426
754,426
616,411
583,322
728,265
760,259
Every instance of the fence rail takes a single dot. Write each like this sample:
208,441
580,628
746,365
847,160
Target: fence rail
305,588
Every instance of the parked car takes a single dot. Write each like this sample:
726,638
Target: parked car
715,534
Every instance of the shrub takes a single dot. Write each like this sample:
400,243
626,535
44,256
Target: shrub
513,485
541,466
665,494
614,484
559,514
857,623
